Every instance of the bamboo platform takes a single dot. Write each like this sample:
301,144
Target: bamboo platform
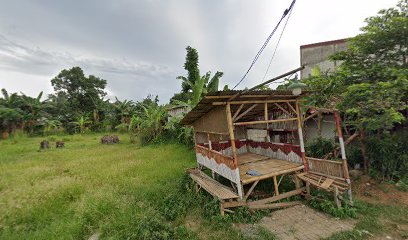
265,166
330,184
324,182
245,158
213,187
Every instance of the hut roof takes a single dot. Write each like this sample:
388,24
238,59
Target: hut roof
206,104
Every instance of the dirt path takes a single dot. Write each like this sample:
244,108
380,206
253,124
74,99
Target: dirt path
302,222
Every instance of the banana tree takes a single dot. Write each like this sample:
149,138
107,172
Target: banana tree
200,86
33,109
9,118
82,123
124,110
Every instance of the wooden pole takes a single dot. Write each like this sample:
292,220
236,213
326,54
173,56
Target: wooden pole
342,147
234,150
253,102
231,134
300,133
243,114
275,183
268,121
266,82
268,139
210,147
237,112
343,155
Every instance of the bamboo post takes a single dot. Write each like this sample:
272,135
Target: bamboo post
275,183
234,150
308,189
210,147
231,133
336,198
343,154
297,181
266,116
300,133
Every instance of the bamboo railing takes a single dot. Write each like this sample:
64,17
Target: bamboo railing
326,167
217,156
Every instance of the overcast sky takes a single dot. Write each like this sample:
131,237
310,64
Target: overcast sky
138,46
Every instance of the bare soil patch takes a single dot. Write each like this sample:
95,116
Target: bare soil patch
374,192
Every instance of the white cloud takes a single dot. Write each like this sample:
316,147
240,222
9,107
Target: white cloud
138,46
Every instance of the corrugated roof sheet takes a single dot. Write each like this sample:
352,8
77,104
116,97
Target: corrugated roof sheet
206,104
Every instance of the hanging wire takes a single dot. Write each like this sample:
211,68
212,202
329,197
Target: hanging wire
285,13
274,52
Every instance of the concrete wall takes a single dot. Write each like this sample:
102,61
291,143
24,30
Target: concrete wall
328,128
176,111
317,54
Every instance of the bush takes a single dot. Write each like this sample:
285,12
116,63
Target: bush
354,155
319,147
326,204
175,131
389,155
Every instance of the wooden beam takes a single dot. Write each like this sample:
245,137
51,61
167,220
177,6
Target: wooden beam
252,101
266,82
266,111
291,107
275,184
310,116
250,190
237,112
281,108
269,175
274,205
322,109
216,133
242,96
234,204
300,134
277,198
245,112
267,121
231,134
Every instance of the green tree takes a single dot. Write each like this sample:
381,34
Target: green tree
191,66
33,111
83,93
9,119
82,124
124,110
194,86
374,75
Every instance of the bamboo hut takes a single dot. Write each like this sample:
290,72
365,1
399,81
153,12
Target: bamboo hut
244,137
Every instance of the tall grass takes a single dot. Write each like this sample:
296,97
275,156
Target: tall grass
121,191
84,188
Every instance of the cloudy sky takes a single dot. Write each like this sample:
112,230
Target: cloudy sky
138,46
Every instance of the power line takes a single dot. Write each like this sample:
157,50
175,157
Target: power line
277,44
266,42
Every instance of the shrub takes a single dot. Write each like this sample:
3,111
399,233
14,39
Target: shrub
388,154
324,203
319,147
174,130
354,155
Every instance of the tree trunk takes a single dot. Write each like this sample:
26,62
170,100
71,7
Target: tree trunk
4,134
319,124
363,148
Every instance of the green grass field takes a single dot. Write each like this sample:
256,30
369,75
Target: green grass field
120,191
84,188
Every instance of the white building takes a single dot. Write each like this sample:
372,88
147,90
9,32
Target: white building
317,54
